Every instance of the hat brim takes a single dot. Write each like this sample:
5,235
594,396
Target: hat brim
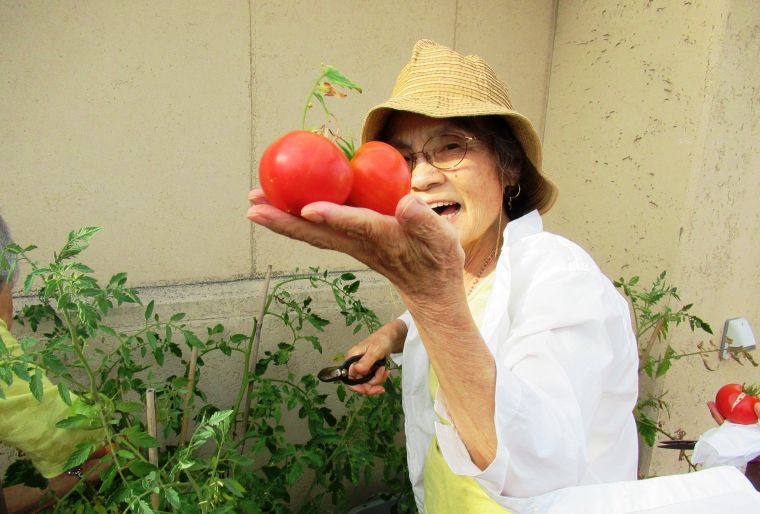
377,118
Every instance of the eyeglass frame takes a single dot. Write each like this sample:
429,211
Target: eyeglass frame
413,155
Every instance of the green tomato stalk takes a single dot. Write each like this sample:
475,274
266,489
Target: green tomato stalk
330,82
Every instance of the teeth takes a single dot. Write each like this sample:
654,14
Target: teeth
441,204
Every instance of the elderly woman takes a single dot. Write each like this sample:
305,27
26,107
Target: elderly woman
519,362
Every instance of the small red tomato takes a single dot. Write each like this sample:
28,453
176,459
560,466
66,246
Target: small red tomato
736,403
381,178
302,167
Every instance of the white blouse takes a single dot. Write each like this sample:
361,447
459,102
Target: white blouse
566,375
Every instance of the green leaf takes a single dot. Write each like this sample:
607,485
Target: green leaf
141,468
314,340
178,316
173,498
78,266
80,455
219,417
128,407
107,330
234,487
76,421
118,279
317,322
139,438
149,310
126,454
338,79
192,340
63,391
144,507
21,371
35,384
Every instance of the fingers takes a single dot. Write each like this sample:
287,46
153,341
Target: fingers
714,412
374,386
360,368
421,222
257,197
360,225
757,409
278,221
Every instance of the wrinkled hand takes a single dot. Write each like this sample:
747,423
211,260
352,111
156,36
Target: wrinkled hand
416,250
380,344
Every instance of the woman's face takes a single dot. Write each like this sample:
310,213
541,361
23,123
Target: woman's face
469,196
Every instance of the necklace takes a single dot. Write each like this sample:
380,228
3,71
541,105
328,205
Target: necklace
480,273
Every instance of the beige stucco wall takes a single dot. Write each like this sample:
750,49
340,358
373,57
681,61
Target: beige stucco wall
147,119
652,135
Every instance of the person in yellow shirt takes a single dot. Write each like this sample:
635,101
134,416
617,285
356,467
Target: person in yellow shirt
29,425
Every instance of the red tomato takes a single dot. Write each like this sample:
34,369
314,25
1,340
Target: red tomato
737,403
302,167
381,178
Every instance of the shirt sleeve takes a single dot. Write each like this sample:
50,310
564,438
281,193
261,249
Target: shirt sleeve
398,358
565,379
29,425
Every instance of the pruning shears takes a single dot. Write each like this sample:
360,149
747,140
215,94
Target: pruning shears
677,444
335,373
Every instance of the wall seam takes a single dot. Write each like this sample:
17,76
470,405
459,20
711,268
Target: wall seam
456,24
251,156
549,73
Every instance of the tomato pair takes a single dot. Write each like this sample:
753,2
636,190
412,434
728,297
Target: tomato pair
736,403
302,167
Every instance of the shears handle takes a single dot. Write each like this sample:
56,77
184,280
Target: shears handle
366,378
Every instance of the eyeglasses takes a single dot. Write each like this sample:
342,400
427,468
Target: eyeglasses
444,152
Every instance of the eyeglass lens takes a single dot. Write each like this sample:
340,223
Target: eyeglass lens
444,152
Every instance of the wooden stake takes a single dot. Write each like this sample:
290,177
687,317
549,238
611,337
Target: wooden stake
255,353
150,406
188,396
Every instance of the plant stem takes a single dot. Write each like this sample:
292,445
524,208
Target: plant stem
190,388
308,100
650,344
79,350
255,356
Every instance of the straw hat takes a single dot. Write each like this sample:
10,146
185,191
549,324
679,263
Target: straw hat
441,83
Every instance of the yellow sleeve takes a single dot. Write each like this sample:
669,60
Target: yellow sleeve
29,425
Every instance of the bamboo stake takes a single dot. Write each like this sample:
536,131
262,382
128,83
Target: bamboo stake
150,406
255,353
188,396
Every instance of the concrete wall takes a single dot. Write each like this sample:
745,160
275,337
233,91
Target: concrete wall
148,119
652,136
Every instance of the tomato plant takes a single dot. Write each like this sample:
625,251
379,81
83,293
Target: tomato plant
381,178
303,167
736,403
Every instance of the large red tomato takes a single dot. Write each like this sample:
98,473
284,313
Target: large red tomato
302,167
381,178
736,403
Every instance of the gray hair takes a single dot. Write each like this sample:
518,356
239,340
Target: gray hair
5,240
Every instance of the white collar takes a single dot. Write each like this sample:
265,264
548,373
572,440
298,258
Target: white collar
524,226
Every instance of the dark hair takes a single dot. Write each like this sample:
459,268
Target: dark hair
511,161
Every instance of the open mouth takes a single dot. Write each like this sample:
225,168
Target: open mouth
446,209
